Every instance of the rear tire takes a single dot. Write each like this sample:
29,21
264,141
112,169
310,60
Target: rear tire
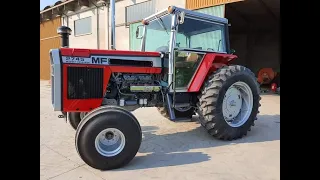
109,137
220,99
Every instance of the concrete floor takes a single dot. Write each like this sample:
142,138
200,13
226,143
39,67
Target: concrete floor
169,150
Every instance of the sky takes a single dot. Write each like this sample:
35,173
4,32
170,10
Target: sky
44,3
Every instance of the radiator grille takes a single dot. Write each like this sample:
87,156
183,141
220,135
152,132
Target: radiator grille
85,83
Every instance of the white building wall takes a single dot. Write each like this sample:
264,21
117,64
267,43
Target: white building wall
100,38
122,32
97,38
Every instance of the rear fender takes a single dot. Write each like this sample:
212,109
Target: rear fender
210,63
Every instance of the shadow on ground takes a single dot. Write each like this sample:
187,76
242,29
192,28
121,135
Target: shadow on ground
174,149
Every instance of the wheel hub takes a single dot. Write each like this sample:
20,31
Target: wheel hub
109,135
110,142
232,103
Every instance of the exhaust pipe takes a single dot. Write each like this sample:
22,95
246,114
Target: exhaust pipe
113,30
64,31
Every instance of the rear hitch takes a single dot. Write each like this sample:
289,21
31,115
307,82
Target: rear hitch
63,115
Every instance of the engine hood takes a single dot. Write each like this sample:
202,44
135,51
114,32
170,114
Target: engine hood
76,52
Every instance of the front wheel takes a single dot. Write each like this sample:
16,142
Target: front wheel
108,138
229,102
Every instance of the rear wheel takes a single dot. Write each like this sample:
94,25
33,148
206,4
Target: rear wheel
229,102
108,138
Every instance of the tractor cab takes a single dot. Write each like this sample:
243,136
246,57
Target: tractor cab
185,37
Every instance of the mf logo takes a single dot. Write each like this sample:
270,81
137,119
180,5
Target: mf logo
99,60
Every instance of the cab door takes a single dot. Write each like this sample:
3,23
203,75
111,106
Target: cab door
186,64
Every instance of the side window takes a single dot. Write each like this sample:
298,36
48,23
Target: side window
181,40
82,26
186,64
201,35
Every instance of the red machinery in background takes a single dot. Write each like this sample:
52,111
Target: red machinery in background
267,76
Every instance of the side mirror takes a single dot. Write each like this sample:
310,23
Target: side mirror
232,51
181,17
139,35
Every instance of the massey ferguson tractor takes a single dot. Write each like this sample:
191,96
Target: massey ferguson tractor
183,68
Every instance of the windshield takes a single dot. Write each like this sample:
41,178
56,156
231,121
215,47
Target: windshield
158,34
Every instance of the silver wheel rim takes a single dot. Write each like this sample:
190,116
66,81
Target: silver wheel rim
110,142
237,104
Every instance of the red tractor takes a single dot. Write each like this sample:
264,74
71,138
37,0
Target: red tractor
183,69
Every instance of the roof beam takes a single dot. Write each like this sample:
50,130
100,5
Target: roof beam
84,3
61,4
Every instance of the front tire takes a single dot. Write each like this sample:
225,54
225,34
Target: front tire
108,138
229,102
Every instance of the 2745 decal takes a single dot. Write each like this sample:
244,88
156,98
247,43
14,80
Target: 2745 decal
68,58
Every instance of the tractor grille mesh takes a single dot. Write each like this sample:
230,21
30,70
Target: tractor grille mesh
85,83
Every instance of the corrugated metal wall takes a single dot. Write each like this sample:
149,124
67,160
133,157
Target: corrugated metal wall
198,4
215,10
48,39
139,11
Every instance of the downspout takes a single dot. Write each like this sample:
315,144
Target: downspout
108,42
113,43
98,32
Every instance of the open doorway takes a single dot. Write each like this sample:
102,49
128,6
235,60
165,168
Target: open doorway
255,36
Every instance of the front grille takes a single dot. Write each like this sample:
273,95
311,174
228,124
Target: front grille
85,83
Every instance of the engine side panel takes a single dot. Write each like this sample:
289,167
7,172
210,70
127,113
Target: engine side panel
86,77
83,104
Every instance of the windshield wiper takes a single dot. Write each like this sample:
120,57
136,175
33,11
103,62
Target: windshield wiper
162,24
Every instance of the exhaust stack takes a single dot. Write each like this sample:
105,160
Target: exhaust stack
113,30
64,31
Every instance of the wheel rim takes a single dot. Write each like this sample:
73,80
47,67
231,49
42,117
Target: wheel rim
110,142
237,104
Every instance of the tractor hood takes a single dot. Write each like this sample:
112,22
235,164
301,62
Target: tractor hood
110,57
76,52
